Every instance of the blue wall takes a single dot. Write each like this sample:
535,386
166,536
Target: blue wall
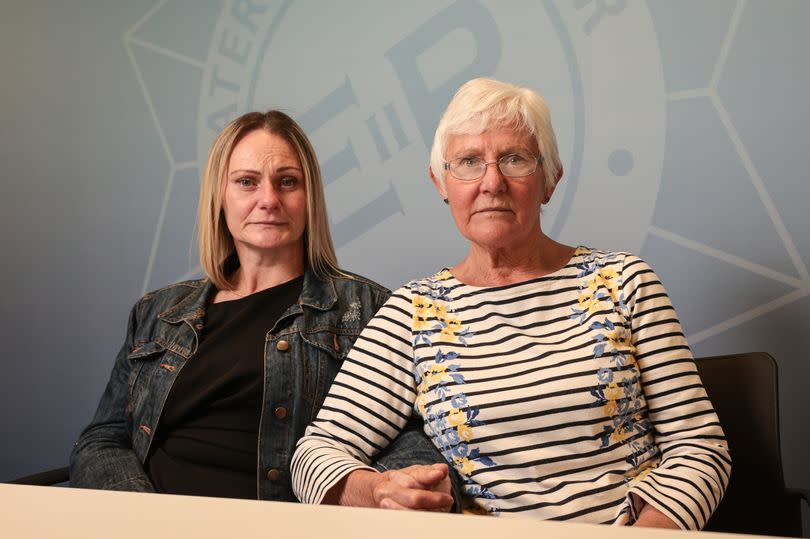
682,127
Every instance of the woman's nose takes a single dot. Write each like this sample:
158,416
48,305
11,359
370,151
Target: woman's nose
493,180
269,197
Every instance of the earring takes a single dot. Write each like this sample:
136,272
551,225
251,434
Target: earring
446,200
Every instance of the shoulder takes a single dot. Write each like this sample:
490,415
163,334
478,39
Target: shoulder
350,280
622,262
167,297
434,287
440,280
599,257
356,290
180,289
634,275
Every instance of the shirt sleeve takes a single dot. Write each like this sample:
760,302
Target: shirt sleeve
693,473
368,404
103,457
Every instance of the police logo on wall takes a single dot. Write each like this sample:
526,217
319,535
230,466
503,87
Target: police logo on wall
369,81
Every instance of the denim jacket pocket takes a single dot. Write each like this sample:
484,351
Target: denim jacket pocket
143,357
143,350
325,353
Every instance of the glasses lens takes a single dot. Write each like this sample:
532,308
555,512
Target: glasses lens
517,165
514,165
467,168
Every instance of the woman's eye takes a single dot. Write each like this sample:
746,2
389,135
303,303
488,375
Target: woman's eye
245,182
515,159
289,181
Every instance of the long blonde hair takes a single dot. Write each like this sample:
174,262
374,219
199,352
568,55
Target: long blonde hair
214,239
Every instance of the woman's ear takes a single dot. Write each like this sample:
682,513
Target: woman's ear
438,183
550,190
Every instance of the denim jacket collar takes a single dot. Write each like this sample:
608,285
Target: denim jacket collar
316,293
193,306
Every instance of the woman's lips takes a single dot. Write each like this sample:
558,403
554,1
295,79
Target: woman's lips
485,210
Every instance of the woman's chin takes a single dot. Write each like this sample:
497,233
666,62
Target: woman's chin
497,237
274,244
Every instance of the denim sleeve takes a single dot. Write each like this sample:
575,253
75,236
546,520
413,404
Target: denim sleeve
412,446
381,297
103,457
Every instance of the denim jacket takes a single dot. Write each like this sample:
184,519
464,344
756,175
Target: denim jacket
303,352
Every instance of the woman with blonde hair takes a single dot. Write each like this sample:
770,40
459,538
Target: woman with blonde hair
218,377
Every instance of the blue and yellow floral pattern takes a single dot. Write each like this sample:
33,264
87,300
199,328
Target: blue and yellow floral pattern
618,389
435,323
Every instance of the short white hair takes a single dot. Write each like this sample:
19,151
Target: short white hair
482,104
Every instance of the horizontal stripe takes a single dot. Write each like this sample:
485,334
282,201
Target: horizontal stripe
554,397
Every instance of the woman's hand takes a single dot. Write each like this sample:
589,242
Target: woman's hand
420,487
416,487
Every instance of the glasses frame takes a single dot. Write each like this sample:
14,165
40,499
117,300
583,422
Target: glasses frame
538,162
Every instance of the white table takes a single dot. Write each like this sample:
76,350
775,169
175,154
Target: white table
50,512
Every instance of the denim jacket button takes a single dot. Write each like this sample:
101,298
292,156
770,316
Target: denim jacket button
272,474
282,346
280,412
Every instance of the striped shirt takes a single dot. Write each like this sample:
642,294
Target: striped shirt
556,397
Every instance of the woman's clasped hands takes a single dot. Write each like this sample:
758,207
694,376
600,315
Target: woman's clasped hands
422,487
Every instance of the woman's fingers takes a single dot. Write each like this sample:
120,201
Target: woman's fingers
418,499
388,503
403,490
428,476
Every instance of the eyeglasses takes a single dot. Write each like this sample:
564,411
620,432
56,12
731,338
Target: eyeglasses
514,165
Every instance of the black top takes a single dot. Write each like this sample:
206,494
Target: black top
206,441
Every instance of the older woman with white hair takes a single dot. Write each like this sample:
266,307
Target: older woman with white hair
555,379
